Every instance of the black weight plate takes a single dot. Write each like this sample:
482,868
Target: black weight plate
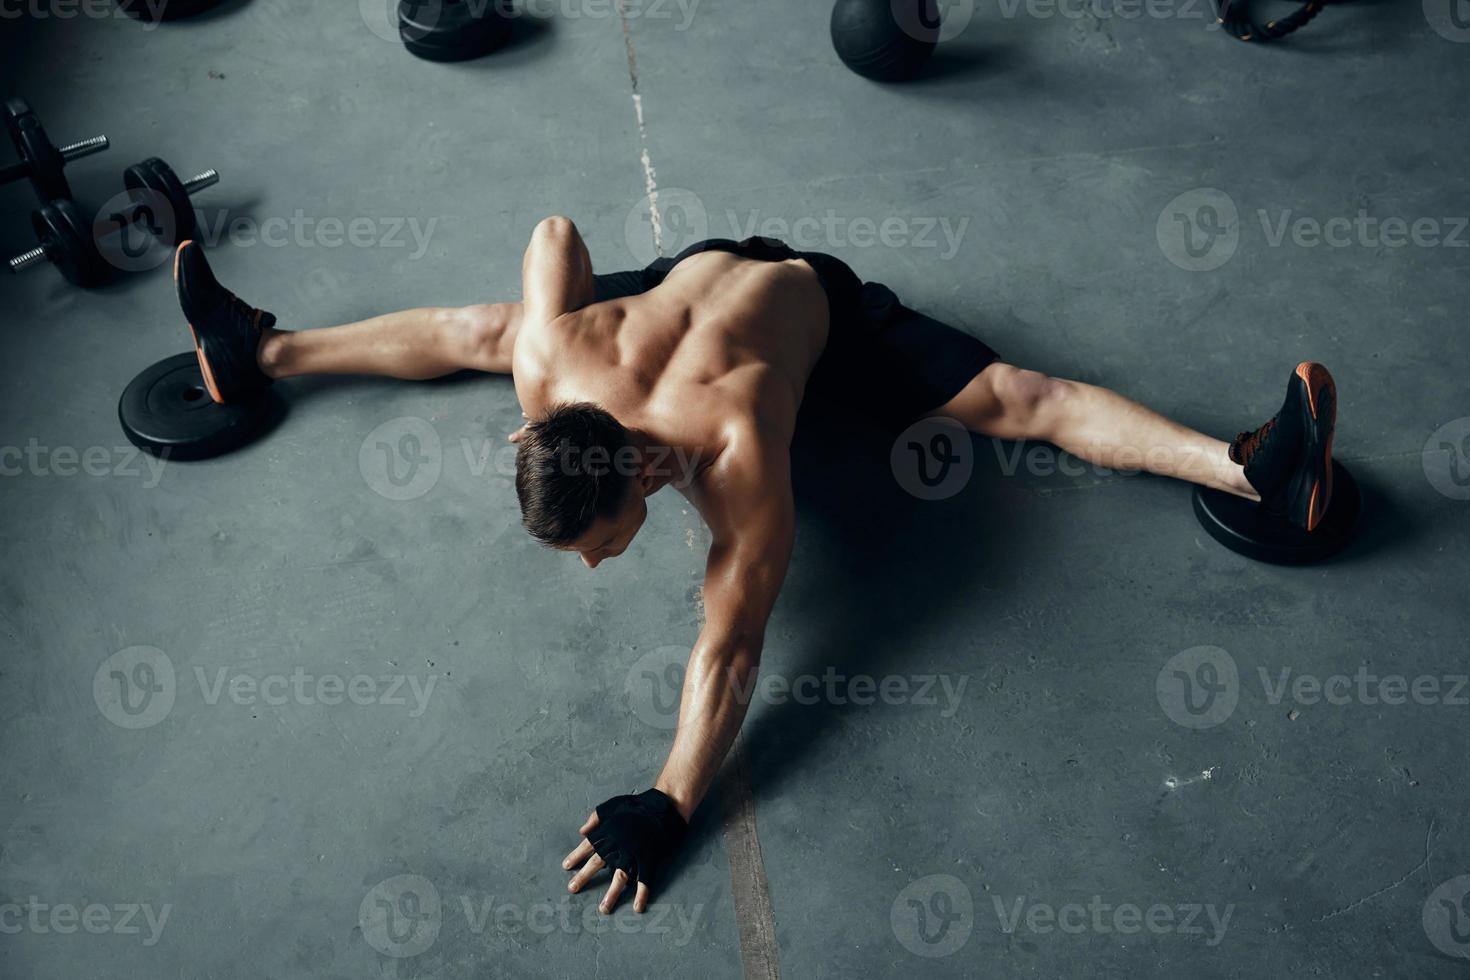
156,176
464,50
1246,529
156,10
166,411
451,30
36,149
442,22
69,243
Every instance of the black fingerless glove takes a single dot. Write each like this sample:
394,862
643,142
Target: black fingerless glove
638,834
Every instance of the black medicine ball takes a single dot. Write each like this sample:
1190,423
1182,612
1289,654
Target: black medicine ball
885,40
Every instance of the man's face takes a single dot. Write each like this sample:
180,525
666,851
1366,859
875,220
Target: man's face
609,537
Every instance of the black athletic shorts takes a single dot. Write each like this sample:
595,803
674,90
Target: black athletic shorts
880,354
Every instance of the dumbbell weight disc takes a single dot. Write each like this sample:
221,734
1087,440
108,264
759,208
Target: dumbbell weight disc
156,10
167,411
156,186
452,30
32,144
70,245
1246,528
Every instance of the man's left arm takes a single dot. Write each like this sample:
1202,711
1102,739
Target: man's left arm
749,509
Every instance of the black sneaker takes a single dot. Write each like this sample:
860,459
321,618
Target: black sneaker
1289,459
226,329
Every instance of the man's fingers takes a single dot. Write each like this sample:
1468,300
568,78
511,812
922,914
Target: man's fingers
640,898
591,822
594,864
578,855
610,900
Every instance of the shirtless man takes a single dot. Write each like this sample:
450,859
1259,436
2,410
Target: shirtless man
710,355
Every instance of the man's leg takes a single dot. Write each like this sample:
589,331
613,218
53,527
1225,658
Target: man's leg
415,344
1093,423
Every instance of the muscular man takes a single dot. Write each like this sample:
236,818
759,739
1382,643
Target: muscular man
706,358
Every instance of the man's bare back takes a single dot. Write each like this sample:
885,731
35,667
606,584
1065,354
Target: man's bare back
722,347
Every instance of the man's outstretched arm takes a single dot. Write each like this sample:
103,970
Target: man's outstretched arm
743,575
748,506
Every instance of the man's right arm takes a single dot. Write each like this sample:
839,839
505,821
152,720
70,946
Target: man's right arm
556,273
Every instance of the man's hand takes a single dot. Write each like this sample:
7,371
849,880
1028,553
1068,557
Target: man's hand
517,435
594,863
635,836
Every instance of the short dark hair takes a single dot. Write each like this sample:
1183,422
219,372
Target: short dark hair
565,472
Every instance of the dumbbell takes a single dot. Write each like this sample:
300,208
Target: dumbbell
40,159
154,187
66,242
159,200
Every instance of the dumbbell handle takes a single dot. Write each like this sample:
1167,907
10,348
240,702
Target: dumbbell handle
200,181
70,152
37,255
192,186
25,260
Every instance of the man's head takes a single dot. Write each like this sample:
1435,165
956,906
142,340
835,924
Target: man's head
579,483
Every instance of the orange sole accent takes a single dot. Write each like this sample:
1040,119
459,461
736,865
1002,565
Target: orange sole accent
198,351
1322,491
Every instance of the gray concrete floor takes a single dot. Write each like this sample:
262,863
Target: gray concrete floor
900,838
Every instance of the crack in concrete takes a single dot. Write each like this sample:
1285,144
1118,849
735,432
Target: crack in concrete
1423,863
650,176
